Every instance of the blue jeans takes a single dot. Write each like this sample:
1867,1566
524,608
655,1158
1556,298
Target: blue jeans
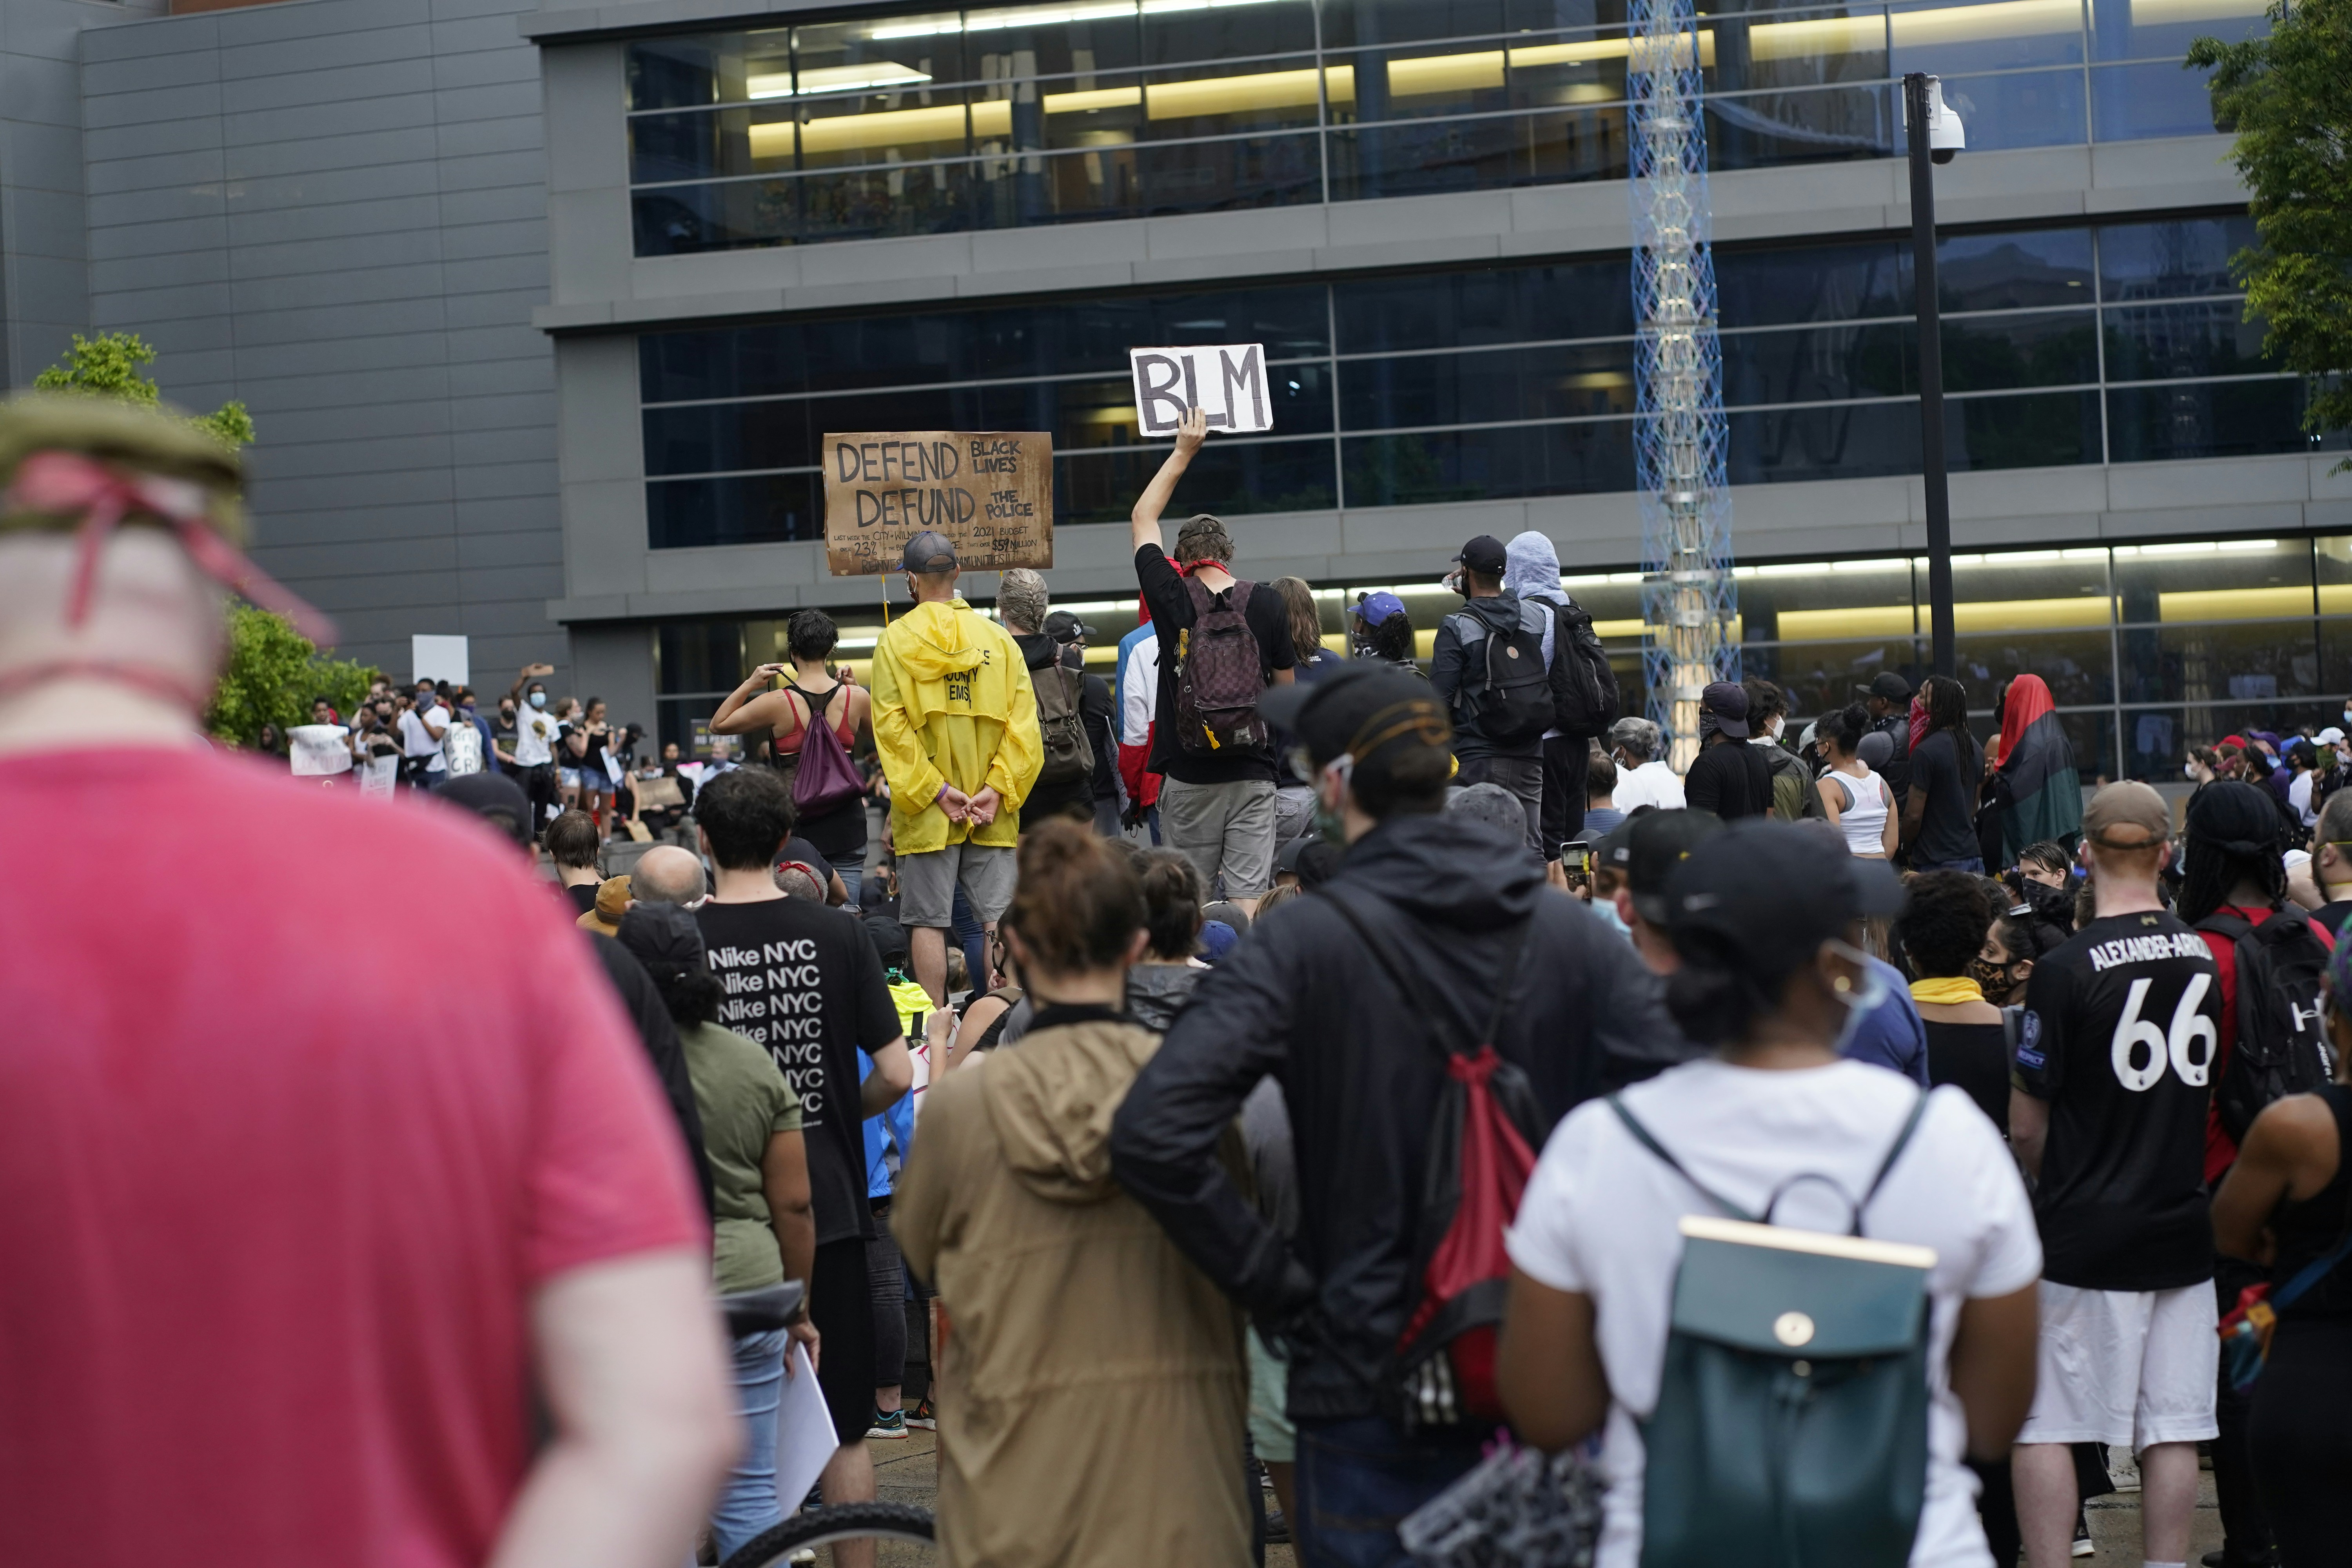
852,879
1973,865
1357,1479
973,938
748,1506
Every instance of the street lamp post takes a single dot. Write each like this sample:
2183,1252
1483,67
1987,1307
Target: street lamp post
1935,136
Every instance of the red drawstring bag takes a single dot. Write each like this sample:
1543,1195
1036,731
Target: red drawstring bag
1483,1134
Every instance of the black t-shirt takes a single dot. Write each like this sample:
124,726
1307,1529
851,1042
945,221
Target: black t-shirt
1730,778
1896,770
2330,918
808,854
804,980
1171,612
1949,774
582,895
1976,1058
2121,1026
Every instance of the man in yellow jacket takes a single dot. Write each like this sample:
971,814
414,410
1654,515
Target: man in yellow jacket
955,723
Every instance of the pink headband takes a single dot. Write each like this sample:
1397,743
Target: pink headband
68,484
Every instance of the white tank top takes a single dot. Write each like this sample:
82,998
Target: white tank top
1863,816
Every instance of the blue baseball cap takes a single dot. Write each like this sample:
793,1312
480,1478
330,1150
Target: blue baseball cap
1373,608
1217,939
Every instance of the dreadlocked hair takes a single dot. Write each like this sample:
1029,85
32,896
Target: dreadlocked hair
2212,871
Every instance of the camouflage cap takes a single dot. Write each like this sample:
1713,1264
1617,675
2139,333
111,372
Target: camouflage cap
124,437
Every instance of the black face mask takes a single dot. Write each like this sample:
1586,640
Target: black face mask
2051,903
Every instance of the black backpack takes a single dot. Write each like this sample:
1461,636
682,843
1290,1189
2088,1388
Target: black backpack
2281,1046
1586,702
1510,702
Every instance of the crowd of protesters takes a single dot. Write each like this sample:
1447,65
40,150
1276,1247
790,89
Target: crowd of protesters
1264,1071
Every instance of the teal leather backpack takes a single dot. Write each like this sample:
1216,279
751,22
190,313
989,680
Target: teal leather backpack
1792,1425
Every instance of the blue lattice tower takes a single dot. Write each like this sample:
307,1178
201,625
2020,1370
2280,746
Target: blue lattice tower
1688,600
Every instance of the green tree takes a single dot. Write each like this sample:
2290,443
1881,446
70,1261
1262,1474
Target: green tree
107,365
272,673
2289,98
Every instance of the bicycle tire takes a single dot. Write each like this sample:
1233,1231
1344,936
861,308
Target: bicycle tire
822,1527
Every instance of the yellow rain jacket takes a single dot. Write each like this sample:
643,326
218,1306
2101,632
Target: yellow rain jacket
952,704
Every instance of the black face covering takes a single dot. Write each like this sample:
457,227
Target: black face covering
2054,904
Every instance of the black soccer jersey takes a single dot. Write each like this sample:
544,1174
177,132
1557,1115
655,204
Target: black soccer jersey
2118,1038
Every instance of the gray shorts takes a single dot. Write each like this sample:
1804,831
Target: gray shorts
926,883
1223,828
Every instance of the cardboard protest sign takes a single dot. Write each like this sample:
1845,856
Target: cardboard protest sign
1224,381
990,491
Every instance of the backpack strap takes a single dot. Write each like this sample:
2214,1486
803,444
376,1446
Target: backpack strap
1894,1152
1414,993
1641,1136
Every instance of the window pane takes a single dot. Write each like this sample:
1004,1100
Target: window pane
1377,85
2250,579
1066,187
875,128
730,361
699,656
1769,287
1347,23
2079,666
1230,478
2057,348
2204,419
2009,271
2141,29
1225,100
1577,68
2029,588
1812,602
720,437
673,73
2044,109
2023,432
1820,677
1215,177
1092,413
1412,159
2249,661
2334,555
1052,40
2166,261
680,220
1571,145
2148,342
2156,740
757,510
1793,48
714,141
1472,465
1762,129
1499,305
880,52
1811,364
1487,388
2129,102
1231,31
1852,441
1953,38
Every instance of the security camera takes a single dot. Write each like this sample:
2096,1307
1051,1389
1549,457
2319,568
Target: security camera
1945,135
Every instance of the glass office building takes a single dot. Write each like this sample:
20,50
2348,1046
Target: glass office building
880,219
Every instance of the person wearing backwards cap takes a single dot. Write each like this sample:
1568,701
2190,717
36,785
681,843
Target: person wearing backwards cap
1728,776
2113,1070
1772,1121
1494,636
955,724
1381,629
311,1254
1217,798
1465,926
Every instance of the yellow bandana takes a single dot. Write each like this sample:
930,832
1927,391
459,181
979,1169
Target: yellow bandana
1949,992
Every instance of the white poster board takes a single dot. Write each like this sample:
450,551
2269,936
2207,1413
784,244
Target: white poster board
438,659
318,750
1224,381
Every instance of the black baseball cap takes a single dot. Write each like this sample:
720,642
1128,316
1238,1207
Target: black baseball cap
1725,702
1309,859
927,553
1066,628
1768,894
1485,556
1368,711
1887,684
890,942
495,798
1647,848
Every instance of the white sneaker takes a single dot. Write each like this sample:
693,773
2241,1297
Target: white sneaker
2084,1545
